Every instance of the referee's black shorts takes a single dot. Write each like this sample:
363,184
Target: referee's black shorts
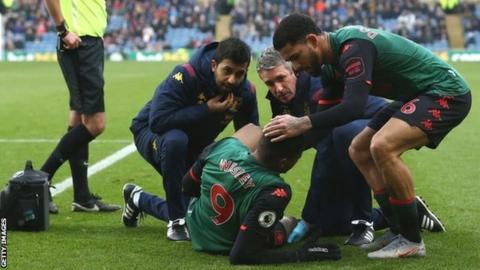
82,69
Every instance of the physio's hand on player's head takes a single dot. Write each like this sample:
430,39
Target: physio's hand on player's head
286,126
298,232
220,103
71,41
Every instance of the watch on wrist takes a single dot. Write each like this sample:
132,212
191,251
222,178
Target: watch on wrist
62,30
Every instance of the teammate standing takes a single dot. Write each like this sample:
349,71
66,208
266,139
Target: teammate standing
188,110
338,200
80,27
431,98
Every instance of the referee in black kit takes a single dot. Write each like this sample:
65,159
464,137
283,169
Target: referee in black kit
80,27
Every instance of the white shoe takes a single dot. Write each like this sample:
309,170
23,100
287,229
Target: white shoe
177,230
399,248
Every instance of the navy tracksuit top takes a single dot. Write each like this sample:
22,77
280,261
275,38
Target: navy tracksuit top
180,102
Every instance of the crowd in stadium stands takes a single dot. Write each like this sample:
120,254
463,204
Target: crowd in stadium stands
156,25
254,21
159,24
27,23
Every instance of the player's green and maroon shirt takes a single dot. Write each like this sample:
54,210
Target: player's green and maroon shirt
230,182
402,68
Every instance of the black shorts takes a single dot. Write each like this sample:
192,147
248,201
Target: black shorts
434,114
82,69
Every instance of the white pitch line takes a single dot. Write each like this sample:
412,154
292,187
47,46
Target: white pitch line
95,168
56,141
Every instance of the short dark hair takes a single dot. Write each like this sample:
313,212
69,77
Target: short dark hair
233,49
292,29
272,152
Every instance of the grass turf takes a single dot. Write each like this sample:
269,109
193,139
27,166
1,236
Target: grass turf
34,105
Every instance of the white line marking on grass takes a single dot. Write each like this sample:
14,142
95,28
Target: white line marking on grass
56,141
102,164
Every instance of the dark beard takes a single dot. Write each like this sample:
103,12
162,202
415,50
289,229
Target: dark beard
316,69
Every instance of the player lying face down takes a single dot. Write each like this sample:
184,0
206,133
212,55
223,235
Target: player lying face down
240,199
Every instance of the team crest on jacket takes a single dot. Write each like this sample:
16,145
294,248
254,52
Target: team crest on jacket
267,219
229,114
201,98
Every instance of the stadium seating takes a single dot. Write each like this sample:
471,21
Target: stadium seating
158,25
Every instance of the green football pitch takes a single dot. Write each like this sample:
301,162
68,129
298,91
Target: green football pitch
33,115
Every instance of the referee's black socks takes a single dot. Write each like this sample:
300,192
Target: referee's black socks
79,167
70,143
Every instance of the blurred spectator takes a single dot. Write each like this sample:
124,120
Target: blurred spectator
156,25
470,40
412,18
133,24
